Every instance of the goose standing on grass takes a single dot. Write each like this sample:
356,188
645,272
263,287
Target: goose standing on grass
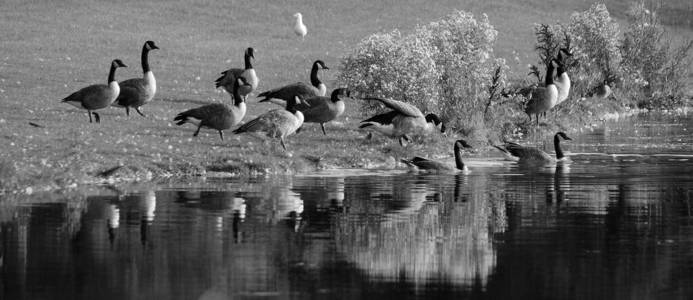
324,109
136,92
299,28
303,90
562,81
423,164
276,123
526,154
229,76
543,98
97,96
216,115
403,121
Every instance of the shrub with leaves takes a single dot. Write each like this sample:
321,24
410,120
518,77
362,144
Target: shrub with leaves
655,72
445,67
394,66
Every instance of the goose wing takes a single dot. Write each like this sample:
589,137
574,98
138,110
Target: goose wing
399,106
204,113
384,119
92,97
275,123
132,91
525,153
227,79
426,164
288,92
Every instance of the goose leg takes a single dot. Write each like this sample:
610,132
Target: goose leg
89,113
97,117
281,140
198,129
322,125
221,135
139,112
127,111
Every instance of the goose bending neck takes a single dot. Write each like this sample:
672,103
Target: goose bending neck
237,99
557,146
549,74
314,80
145,59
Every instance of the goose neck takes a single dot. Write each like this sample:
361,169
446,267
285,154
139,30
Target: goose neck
248,63
557,147
314,80
458,157
145,59
111,73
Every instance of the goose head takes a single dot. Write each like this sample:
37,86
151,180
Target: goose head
321,64
250,52
117,63
337,94
240,83
563,51
433,118
462,144
298,15
149,45
562,135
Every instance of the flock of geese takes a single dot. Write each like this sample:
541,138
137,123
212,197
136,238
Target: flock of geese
308,103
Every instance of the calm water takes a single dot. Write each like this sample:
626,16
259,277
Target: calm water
603,227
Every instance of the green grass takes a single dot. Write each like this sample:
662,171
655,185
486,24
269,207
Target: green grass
51,49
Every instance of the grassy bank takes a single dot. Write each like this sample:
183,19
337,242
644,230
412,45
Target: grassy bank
52,49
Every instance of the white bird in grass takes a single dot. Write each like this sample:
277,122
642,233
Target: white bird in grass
299,28
97,96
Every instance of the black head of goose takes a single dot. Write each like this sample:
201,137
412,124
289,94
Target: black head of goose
433,119
277,123
526,154
216,115
543,98
228,77
97,96
424,164
136,92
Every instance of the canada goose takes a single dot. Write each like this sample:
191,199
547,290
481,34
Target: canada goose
299,28
229,76
276,123
97,96
528,154
424,164
404,120
543,98
324,109
136,92
216,115
303,90
562,81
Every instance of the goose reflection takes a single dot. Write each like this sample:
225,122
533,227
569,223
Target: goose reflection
556,193
447,241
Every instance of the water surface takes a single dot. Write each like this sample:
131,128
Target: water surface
615,223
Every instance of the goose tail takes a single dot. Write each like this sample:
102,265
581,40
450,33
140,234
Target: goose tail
181,118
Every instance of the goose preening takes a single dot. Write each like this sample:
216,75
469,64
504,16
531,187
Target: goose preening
216,115
543,98
229,76
97,96
526,154
325,109
423,164
562,80
300,89
299,28
402,121
276,123
136,92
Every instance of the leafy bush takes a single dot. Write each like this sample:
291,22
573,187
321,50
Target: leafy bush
445,67
654,71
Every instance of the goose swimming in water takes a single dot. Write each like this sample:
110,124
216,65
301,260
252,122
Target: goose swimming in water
423,164
526,154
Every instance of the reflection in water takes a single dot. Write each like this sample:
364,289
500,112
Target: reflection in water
592,229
